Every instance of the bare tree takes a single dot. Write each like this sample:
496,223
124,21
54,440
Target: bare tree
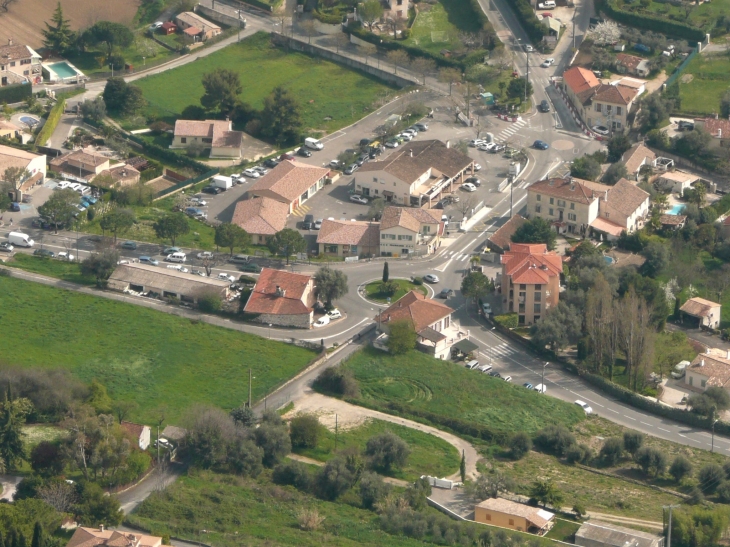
15,176
636,335
450,76
399,58
341,40
599,319
309,27
465,207
59,495
423,66
368,50
284,19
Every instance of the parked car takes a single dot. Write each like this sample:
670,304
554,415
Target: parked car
251,267
527,385
431,278
445,219
544,106
131,245
225,277
351,169
239,259
494,374
468,187
476,142
334,164
487,309
271,163
148,260
89,199
475,181
318,223
547,63
6,247
334,314
212,190
205,255
322,321
485,368
364,142
304,152
358,199
540,388
169,250
64,255
601,130
251,173
685,125
421,126
198,202
156,25
260,169
477,167
540,145
308,222
392,144
45,253
201,273
286,156
405,136
486,147
529,48
497,148
445,293
585,406
507,378
472,364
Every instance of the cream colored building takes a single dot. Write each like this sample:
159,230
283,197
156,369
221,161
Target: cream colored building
706,312
349,238
218,135
709,369
395,9
291,182
19,63
407,230
416,174
513,515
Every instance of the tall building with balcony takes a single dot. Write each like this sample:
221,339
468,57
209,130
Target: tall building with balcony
530,281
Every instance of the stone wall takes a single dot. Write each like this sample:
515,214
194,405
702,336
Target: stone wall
217,16
301,321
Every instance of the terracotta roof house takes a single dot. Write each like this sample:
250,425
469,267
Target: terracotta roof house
530,281
415,174
35,164
633,64
218,135
602,534
718,127
676,181
92,537
80,165
408,230
673,222
709,369
635,158
261,217
141,433
291,182
205,29
349,238
500,241
19,63
122,175
705,311
9,130
513,515
168,27
283,299
577,206
431,320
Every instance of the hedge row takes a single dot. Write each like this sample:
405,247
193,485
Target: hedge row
651,22
526,15
442,422
327,18
54,116
507,320
168,156
15,93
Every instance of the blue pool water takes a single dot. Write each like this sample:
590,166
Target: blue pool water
63,69
676,210
609,260
28,120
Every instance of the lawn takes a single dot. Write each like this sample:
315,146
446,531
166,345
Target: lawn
701,16
68,271
92,60
563,530
420,383
404,286
710,79
330,95
437,25
152,358
429,454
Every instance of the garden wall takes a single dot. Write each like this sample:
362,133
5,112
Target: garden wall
313,49
217,16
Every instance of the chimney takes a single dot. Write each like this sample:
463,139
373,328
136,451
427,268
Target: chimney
702,363
707,351
448,144
101,526
728,354
716,116
10,41
410,152
719,133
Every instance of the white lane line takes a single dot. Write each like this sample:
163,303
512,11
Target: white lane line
662,429
614,411
629,417
685,436
646,424
443,266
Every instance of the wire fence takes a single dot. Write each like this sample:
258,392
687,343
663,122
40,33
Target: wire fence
682,66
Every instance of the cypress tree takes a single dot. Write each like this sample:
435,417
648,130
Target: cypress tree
38,540
385,272
462,466
676,308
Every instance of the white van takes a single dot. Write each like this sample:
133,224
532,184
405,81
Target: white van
20,239
176,257
314,144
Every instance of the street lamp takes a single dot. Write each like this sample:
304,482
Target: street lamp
714,421
543,376
269,331
239,24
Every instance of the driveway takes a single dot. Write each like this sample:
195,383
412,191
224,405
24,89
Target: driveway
159,479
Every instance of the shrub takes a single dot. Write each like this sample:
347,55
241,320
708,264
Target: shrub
507,320
633,441
386,451
723,491
275,442
304,431
334,479
611,451
555,438
309,519
695,496
418,281
54,116
650,22
372,489
337,381
579,453
519,445
15,93
210,302
45,459
293,473
653,462
680,468
710,477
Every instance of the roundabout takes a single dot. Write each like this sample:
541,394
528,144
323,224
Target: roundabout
371,290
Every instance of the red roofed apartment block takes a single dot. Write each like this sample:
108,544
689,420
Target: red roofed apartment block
530,281
283,299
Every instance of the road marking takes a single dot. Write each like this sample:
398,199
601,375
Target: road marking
646,424
662,429
443,266
629,417
612,410
338,334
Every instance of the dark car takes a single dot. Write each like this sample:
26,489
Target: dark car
45,253
131,245
304,152
251,267
308,222
445,293
286,156
540,145
684,125
15,206
271,163
475,181
212,190
6,247
362,159
544,106
495,374
364,142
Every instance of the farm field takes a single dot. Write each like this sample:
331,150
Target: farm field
429,454
142,355
703,83
438,24
24,20
418,383
331,96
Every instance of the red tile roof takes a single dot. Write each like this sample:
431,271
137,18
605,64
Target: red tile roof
629,61
289,180
219,131
416,308
261,216
502,238
604,225
615,94
135,429
410,218
349,232
580,79
569,188
531,264
287,301
713,125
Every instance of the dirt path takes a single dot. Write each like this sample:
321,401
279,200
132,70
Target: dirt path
310,461
349,416
626,520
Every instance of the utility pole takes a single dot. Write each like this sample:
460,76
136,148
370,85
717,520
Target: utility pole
249,387
511,195
527,75
158,444
714,421
336,431
669,528
543,374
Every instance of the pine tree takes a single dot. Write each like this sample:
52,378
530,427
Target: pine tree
385,272
37,540
676,308
21,540
462,466
58,37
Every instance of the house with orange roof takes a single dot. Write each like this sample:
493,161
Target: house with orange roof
284,299
261,217
291,182
349,238
406,231
718,128
93,537
218,135
530,281
709,369
431,320
706,312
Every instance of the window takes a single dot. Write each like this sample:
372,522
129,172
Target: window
537,208
618,110
353,249
609,109
375,191
539,197
26,72
551,212
426,229
523,287
183,140
25,61
487,517
572,205
331,248
12,63
691,379
598,107
561,203
537,318
511,522
552,201
607,214
538,296
207,140
375,179
703,383
536,307
522,308
446,322
571,216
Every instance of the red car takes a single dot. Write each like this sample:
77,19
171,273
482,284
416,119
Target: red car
547,14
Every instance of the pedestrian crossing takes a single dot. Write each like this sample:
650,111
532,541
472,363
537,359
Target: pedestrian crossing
301,211
511,130
502,350
457,256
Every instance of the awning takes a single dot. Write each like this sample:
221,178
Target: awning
606,226
465,346
431,335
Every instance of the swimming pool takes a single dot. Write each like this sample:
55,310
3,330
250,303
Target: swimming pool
676,210
609,260
28,120
63,69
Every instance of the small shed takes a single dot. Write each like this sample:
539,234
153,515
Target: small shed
488,98
168,28
705,311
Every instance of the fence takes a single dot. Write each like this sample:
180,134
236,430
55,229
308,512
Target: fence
184,184
682,66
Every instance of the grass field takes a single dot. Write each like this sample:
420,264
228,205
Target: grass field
142,355
373,290
700,16
68,271
563,530
710,79
324,89
437,25
143,51
429,455
424,383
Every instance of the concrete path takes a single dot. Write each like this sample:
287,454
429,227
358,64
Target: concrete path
349,416
623,520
